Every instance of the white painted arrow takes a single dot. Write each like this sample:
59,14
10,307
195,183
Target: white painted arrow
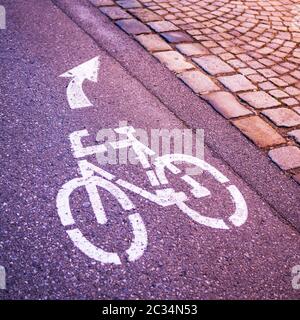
86,71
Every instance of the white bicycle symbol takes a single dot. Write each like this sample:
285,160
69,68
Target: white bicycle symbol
94,177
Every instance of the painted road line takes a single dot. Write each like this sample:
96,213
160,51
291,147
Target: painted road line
90,250
77,148
2,278
86,71
140,240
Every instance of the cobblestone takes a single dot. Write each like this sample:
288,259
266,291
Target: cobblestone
295,134
297,177
247,47
153,42
115,13
226,104
257,130
192,49
259,99
99,3
286,157
198,82
297,109
174,61
213,65
129,4
290,102
283,117
145,15
162,26
236,83
132,26
176,37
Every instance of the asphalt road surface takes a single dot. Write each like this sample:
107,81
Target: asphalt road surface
180,258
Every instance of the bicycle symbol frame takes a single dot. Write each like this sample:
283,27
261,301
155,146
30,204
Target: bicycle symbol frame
94,177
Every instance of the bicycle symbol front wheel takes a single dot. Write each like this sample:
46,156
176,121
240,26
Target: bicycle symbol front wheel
237,218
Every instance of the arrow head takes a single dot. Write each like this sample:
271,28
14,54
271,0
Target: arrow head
87,70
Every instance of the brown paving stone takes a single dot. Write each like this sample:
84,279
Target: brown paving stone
213,65
145,15
279,69
296,74
162,26
258,131
256,78
99,3
198,82
259,99
297,109
176,37
295,134
297,178
286,157
247,71
192,49
278,82
226,104
160,12
153,42
283,117
174,61
244,57
268,73
226,56
290,101
255,65
236,83
278,94
115,13
289,79
292,91
133,26
267,85
129,4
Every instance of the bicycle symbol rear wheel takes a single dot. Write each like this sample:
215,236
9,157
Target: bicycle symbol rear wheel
91,183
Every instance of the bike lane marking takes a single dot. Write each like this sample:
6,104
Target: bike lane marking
85,71
93,252
163,197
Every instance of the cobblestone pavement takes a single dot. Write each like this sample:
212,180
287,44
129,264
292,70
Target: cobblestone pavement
243,57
